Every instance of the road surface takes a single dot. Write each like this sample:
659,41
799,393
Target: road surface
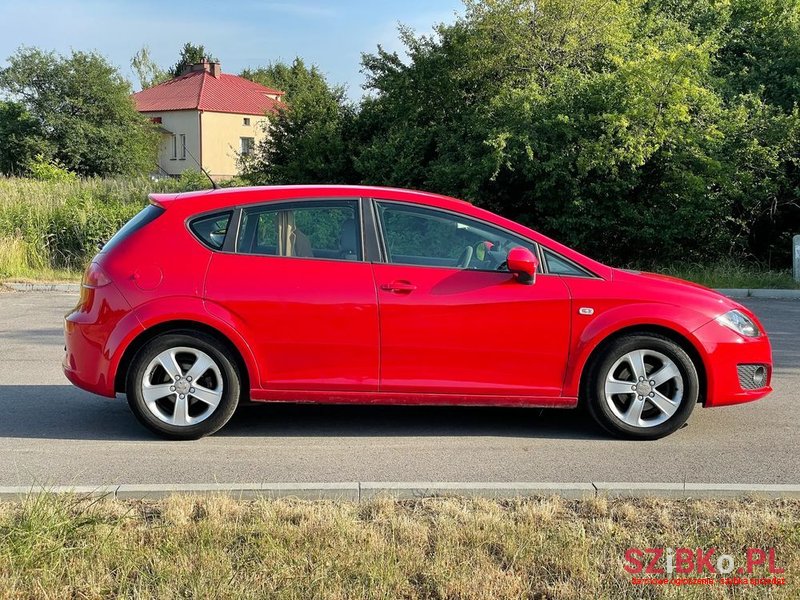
52,433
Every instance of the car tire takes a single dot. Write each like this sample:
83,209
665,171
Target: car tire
641,386
183,385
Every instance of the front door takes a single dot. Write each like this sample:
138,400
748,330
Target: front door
298,283
453,321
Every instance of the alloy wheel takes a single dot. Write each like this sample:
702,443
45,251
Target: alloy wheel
182,386
644,388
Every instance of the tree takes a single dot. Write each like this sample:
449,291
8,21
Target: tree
147,70
83,109
190,55
21,139
307,141
672,123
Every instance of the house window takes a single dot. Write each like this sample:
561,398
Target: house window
247,146
246,121
183,146
174,147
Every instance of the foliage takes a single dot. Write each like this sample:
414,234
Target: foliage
21,139
630,129
83,110
147,70
49,170
190,54
308,140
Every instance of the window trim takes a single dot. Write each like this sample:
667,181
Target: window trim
182,146
302,202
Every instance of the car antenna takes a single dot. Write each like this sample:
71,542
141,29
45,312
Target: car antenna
213,183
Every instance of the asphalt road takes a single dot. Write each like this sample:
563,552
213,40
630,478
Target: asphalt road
54,434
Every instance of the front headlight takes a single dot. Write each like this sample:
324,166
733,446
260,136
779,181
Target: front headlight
740,323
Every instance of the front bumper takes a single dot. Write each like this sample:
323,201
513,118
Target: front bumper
724,351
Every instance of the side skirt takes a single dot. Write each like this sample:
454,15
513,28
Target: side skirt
377,398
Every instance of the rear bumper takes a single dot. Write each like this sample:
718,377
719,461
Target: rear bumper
89,359
725,350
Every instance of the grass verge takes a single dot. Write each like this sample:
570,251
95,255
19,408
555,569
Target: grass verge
219,547
731,274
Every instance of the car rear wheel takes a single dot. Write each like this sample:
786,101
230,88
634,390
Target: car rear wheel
642,386
183,385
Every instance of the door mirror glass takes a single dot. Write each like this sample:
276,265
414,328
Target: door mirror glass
523,263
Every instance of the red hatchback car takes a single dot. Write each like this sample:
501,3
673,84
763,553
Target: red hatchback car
373,295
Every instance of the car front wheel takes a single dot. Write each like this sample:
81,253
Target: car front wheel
642,386
183,385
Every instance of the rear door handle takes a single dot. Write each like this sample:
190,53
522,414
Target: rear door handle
399,287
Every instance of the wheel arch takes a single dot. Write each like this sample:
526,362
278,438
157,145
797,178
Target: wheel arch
175,326
681,340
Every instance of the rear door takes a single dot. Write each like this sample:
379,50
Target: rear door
298,283
453,320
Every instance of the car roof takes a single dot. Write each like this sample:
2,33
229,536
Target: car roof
237,196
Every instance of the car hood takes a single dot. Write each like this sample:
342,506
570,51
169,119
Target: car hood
677,291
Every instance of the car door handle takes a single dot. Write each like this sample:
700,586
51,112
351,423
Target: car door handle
399,287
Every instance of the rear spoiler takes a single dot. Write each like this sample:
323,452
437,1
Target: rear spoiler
162,200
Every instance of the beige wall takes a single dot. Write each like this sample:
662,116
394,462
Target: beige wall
222,133
178,122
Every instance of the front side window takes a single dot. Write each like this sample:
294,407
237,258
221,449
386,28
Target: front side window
427,237
327,229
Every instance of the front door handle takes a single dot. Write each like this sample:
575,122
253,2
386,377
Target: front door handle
399,287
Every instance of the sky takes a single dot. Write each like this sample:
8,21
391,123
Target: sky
240,33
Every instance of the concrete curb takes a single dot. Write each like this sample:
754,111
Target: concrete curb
364,491
59,288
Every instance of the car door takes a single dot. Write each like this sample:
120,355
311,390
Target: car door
297,283
452,320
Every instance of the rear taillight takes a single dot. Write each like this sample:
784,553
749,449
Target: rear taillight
95,277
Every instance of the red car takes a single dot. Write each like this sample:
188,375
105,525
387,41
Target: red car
345,294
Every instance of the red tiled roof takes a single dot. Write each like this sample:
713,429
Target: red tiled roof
199,90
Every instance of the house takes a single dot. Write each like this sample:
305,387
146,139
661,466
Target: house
207,118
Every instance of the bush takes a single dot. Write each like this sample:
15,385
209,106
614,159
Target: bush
45,169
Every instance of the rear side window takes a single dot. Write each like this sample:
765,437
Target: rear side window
212,229
147,215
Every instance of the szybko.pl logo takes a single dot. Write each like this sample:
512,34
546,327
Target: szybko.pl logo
702,566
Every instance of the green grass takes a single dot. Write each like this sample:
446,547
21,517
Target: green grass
51,229
218,547
732,274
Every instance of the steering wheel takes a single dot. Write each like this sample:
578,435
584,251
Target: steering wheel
465,258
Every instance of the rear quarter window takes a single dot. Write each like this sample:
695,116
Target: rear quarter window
144,217
211,229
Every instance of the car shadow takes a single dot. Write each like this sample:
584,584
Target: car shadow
65,412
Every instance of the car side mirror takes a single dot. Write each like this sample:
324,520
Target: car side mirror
523,263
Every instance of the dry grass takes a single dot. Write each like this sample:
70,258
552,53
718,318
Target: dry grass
219,547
